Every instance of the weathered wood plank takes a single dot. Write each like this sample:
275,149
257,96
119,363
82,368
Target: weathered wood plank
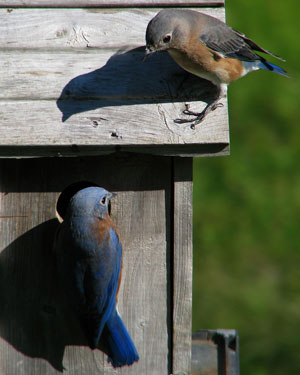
55,91
107,3
77,28
39,335
106,75
26,123
183,263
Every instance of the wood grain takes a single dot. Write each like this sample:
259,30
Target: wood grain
73,83
71,78
183,264
73,29
39,334
24,123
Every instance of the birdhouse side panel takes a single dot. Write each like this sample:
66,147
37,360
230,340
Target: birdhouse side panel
39,333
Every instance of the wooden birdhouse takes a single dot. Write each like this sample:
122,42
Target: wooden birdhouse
79,104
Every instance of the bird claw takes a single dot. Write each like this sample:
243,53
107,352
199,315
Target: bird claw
188,112
199,116
195,121
182,121
216,105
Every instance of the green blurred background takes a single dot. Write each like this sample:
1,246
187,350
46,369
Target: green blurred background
247,205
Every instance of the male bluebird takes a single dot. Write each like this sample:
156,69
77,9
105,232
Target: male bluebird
206,47
89,262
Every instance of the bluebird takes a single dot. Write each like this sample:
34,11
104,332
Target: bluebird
207,48
89,262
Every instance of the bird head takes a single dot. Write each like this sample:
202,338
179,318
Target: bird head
160,32
91,201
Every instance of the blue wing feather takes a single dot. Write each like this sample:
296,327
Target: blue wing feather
100,287
121,346
273,68
90,276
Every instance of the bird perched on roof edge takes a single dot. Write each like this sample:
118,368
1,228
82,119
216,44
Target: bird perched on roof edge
89,262
206,47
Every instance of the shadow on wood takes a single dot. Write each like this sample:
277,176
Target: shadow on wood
30,317
109,171
34,316
126,79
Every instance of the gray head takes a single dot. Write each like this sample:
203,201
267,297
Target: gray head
159,33
171,28
91,201
168,28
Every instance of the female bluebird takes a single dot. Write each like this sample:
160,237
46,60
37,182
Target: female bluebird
206,47
89,262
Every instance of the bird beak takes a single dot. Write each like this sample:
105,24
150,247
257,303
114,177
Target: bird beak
148,52
112,195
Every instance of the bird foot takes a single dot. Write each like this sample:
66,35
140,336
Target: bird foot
199,115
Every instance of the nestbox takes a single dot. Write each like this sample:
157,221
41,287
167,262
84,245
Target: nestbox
79,104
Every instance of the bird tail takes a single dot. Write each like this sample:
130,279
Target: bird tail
273,68
121,349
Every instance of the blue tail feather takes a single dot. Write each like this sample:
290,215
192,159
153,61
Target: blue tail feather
273,68
122,350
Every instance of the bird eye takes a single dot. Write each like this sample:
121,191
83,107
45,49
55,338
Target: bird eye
167,38
103,201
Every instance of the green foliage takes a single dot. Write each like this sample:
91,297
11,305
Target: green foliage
247,205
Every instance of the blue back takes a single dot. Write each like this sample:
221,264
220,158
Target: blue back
89,260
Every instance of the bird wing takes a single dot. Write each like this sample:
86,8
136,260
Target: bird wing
228,42
255,46
91,282
100,287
